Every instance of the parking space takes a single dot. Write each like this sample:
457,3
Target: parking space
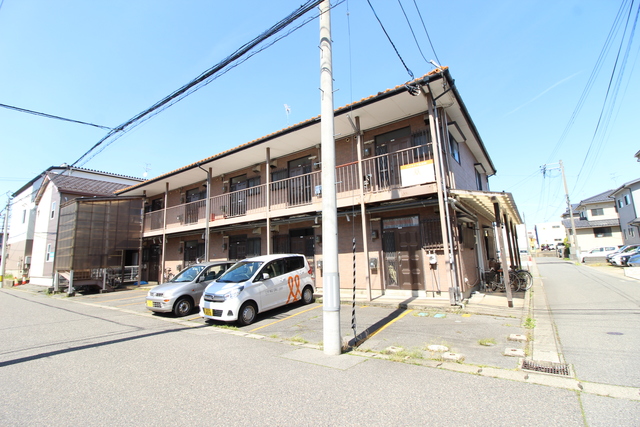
479,339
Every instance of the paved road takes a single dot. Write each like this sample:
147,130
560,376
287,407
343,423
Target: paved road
65,362
597,316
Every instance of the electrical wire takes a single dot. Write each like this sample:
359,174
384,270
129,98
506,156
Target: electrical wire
590,82
426,32
613,90
51,116
241,55
412,33
391,41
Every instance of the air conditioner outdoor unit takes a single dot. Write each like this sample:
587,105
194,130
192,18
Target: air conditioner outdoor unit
257,168
257,230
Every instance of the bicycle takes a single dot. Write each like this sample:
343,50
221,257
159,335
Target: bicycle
168,275
525,280
495,282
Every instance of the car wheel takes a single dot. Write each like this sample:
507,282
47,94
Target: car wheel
182,307
307,295
247,313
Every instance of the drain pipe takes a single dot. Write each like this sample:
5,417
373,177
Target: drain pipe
445,214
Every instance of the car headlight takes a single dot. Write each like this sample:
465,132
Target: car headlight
233,293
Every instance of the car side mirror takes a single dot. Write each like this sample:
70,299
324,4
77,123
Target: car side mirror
265,276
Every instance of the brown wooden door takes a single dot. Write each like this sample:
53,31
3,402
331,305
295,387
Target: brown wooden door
402,256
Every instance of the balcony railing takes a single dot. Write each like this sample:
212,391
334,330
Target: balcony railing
380,173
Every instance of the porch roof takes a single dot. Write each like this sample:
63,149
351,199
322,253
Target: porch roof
482,203
383,108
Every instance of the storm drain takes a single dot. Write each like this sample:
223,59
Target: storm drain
546,367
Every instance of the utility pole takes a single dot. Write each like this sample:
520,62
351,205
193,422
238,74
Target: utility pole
5,233
331,276
573,223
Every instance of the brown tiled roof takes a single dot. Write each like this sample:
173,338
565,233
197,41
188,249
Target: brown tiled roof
85,186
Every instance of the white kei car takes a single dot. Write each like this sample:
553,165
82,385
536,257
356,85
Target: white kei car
258,284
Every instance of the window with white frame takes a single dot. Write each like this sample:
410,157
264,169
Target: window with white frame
53,210
619,203
49,255
632,232
597,211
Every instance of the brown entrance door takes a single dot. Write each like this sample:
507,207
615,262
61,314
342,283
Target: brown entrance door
402,254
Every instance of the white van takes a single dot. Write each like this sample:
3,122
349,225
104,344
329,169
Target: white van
258,284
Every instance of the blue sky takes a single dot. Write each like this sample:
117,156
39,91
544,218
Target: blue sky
520,66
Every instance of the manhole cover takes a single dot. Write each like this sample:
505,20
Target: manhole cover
546,367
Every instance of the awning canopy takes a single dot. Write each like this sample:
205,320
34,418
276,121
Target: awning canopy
482,203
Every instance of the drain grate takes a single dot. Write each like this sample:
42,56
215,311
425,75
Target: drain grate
546,367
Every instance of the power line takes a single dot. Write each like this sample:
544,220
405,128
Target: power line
391,41
206,77
613,89
425,30
51,116
412,33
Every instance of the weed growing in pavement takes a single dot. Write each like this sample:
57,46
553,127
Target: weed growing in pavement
230,327
274,336
299,339
487,342
403,355
529,323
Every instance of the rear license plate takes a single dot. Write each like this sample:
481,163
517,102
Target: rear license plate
208,312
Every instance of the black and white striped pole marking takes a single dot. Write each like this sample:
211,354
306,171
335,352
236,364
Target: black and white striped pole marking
353,310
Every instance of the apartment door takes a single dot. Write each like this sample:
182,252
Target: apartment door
238,199
300,188
402,253
388,161
192,209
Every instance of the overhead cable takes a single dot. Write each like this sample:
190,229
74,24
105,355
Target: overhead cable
391,41
206,77
51,116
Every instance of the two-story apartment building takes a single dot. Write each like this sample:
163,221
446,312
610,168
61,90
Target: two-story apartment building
626,199
596,221
33,225
412,190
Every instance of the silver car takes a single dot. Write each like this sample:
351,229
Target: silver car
182,293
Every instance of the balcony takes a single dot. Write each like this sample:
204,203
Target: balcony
385,177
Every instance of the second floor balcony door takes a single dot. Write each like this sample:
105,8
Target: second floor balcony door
238,196
300,188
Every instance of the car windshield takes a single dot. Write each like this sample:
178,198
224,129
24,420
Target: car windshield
188,274
240,272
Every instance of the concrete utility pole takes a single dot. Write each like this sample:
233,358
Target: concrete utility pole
573,223
331,276
5,232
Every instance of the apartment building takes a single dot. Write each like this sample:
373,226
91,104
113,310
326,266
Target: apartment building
412,192
35,207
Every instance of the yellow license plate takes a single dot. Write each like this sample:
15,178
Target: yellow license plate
208,312
149,303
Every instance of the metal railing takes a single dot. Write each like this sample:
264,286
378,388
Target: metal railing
380,173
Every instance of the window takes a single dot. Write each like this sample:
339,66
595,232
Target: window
49,255
631,232
455,148
597,212
619,203
602,232
626,200
479,181
253,246
53,210
555,226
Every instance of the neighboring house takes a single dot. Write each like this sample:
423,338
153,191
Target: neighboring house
627,201
393,153
33,225
549,233
596,222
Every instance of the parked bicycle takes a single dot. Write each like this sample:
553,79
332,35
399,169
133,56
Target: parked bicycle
519,280
168,275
